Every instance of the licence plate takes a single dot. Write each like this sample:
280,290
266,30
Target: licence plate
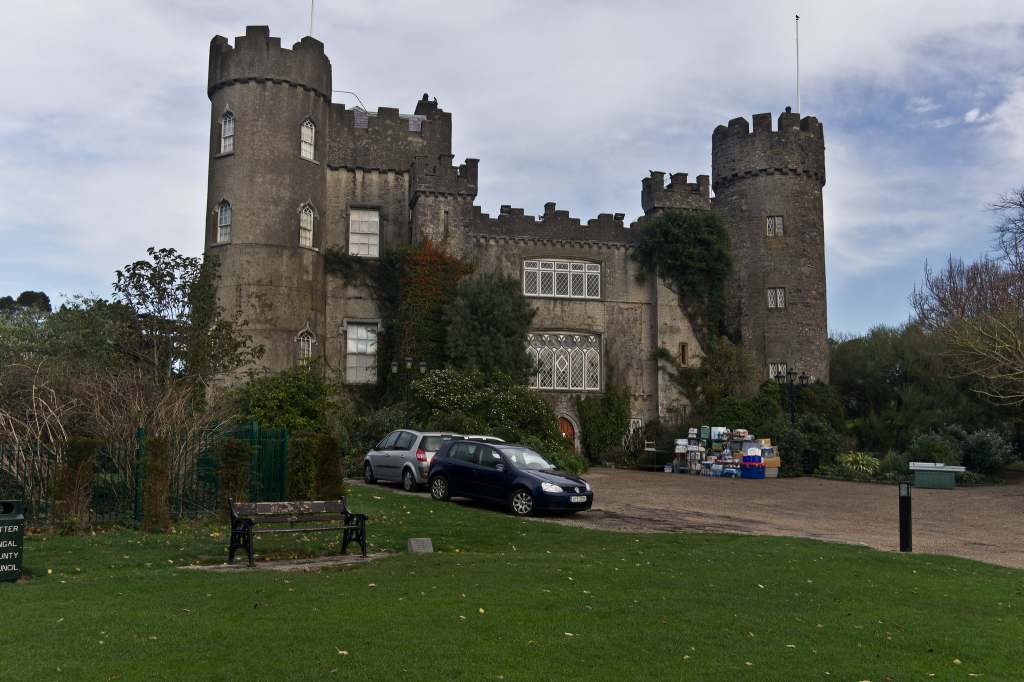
578,499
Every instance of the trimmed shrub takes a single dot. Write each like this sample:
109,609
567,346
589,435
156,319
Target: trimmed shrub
156,479
235,469
74,484
894,463
791,445
986,452
327,453
301,467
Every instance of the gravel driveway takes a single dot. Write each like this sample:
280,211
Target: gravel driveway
982,522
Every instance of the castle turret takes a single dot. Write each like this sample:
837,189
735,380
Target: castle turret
768,183
441,201
266,203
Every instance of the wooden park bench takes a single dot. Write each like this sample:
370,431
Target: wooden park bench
249,518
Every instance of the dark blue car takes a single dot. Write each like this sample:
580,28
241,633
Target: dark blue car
512,474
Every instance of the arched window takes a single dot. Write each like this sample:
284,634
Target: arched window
308,136
565,361
227,133
224,222
304,342
306,226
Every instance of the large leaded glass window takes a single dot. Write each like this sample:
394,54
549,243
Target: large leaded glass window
565,361
561,278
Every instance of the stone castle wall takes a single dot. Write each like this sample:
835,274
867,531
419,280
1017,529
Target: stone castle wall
402,166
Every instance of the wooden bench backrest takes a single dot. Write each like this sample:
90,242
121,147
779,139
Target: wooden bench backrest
257,509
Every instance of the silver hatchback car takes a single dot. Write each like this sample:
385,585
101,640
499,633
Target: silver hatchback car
403,456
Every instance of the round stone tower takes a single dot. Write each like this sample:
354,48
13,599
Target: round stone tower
266,198
768,183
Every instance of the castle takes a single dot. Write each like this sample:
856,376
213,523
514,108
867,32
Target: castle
292,174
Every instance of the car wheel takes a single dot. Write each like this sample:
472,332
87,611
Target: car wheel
439,488
521,502
408,481
368,473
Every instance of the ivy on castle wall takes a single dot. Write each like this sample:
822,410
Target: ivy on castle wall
690,251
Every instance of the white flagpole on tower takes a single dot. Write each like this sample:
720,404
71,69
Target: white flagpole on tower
798,64
311,17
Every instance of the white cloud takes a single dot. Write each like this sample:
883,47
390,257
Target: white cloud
972,115
562,101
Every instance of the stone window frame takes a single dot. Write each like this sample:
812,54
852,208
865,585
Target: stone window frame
304,342
543,278
566,361
777,299
307,232
774,226
373,248
227,133
352,324
307,139
225,215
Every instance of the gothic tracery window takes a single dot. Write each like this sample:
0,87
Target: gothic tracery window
565,361
227,133
561,278
224,222
308,138
304,342
306,226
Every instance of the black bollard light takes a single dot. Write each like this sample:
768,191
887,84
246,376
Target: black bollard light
906,531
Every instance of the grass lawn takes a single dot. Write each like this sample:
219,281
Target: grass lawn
506,599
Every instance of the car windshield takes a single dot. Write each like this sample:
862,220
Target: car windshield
433,443
525,458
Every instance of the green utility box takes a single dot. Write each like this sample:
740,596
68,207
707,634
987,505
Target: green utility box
934,475
12,538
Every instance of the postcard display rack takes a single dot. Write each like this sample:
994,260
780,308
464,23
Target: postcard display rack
731,453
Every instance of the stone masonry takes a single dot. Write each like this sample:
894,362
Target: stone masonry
399,169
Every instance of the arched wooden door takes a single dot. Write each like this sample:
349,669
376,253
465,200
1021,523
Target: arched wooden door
568,431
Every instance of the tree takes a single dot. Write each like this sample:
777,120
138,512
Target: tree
179,331
978,309
487,323
296,398
690,251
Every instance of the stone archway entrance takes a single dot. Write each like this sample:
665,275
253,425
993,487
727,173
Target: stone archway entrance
568,430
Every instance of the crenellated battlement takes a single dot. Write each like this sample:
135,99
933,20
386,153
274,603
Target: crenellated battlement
552,224
795,147
387,139
442,177
678,194
259,57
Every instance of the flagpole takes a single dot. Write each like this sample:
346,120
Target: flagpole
798,64
311,17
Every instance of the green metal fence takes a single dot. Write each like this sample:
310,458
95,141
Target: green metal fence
30,475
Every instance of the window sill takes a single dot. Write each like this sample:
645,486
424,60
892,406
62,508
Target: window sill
357,255
313,161
223,154
220,244
310,248
553,297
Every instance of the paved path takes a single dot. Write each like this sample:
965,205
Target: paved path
982,522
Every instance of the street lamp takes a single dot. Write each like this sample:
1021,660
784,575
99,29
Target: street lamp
791,378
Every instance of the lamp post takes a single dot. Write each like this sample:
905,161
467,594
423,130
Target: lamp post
906,530
791,378
406,369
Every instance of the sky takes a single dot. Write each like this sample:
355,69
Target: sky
104,115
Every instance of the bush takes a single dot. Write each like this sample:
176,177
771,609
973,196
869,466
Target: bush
470,401
74,484
301,467
235,468
604,419
156,479
986,452
329,482
812,444
894,463
791,445
860,466
933,447
297,399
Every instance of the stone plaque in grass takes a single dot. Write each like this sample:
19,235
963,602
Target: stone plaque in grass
421,546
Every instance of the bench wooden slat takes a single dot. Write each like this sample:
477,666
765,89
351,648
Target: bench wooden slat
293,518
299,530
279,508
